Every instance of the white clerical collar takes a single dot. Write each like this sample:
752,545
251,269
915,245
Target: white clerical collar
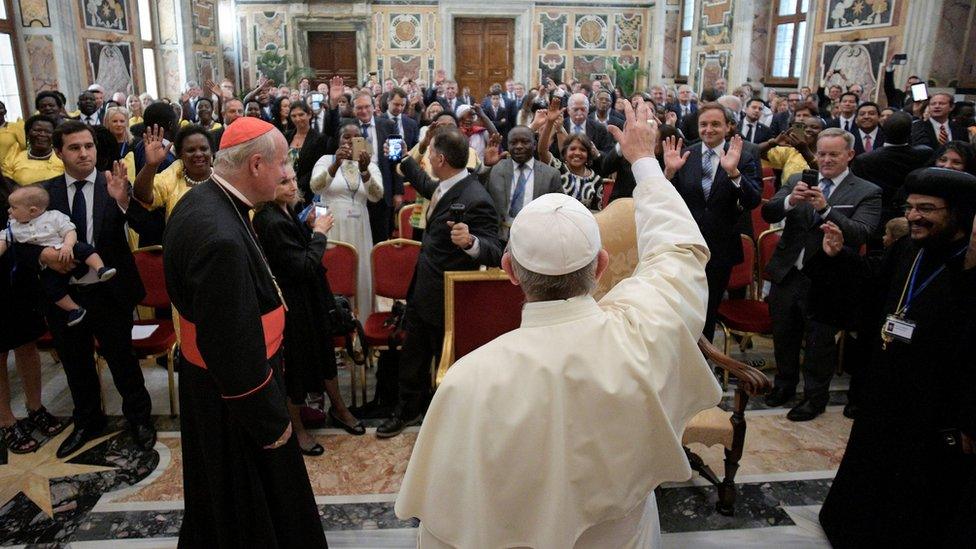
548,313
231,189
69,180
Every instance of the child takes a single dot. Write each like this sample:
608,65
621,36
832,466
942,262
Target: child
32,224
894,230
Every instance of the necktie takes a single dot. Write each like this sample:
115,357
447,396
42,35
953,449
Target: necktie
79,211
707,175
847,125
519,195
399,128
434,199
943,134
578,128
749,128
826,186
365,129
867,143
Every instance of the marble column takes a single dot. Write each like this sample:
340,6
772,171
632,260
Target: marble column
657,39
920,32
742,22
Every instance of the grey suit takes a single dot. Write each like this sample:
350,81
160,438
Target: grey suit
545,179
855,206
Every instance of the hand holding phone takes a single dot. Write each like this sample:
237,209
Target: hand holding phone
358,147
394,148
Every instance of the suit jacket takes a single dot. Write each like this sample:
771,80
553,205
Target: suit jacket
879,141
438,253
597,133
924,134
676,109
613,162
109,235
411,131
614,119
384,128
781,122
444,103
717,215
896,98
760,134
887,167
855,208
545,179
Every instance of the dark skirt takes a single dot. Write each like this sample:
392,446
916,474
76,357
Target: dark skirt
21,311
309,358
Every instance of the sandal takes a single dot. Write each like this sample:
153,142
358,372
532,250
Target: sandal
43,421
18,438
356,429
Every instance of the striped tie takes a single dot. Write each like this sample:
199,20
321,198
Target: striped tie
707,175
868,147
943,134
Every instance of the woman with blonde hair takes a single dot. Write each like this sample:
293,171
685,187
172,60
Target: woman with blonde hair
117,121
134,104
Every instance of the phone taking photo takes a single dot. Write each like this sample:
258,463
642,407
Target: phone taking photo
316,99
920,91
811,178
395,148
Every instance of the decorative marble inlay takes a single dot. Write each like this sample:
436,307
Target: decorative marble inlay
431,31
269,30
206,68
760,39
627,31
591,32
848,63
167,22
110,64
35,11
43,64
669,62
405,66
552,65
587,67
715,26
204,23
172,81
552,30
405,31
843,15
108,15
711,67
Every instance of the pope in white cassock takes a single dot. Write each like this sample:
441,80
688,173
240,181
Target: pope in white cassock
555,435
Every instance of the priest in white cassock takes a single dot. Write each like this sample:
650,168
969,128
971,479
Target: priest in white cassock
556,434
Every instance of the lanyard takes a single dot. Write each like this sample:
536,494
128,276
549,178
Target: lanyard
912,293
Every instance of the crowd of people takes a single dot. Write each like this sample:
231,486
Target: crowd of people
891,187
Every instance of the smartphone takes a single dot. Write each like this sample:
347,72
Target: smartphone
798,130
316,99
358,147
920,91
457,212
899,59
395,144
810,177
321,211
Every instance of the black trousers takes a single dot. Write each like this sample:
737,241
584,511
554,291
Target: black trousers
380,220
718,281
56,284
111,323
423,343
792,327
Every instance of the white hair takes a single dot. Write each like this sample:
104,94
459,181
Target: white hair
579,97
232,159
730,102
684,87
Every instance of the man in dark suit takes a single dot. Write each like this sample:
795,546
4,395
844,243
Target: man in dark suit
447,246
781,121
938,129
498,111
717,183
88,109
684,106
97,204
376,130
847,119
898,99
451,101
520,179
603,113
888,166
752,129
854,205
868,134
404,126
578,108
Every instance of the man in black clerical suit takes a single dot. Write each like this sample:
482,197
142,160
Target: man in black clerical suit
446,247
716,191
97,204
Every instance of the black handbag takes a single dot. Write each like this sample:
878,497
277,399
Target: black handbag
343,323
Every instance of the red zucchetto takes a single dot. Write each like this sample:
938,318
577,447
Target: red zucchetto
244,129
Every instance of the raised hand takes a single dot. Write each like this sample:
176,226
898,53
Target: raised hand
671,118
154,149
364,158
211,86
833,241
336,88
117,182
555,112
639,136
493,153
730,158
344,152
673,159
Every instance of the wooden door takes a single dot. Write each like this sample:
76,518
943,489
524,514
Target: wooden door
484,50
333,53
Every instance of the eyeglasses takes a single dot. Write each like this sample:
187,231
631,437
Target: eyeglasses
922,209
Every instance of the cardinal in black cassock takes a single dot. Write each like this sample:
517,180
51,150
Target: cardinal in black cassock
244,481
908,475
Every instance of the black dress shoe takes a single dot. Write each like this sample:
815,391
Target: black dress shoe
356,429
145,435
850,410
779,396
78,438
805,411
396,424
314,451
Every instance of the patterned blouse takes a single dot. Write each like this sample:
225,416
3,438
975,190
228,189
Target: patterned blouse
588,189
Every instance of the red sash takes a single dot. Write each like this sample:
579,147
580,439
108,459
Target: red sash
274,332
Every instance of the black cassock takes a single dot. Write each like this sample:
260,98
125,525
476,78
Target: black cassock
232,393
900,484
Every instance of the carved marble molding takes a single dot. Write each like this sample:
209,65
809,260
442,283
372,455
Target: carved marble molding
361,25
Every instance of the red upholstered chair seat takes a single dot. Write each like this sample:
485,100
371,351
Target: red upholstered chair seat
746,315
159,342
377,334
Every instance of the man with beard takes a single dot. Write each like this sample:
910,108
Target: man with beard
244,479
906,478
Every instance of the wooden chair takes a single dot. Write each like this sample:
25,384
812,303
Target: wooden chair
404,228
469,295
341,262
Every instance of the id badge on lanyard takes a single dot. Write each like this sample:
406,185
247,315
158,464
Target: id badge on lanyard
897,329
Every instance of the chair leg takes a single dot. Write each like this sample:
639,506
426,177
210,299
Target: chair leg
699,465
727,347
171,379
353,381
726,489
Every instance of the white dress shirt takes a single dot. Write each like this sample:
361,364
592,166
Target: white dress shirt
716,158
91,119
397,122
442,189
371,138
529,187
938,125
874,137
845,121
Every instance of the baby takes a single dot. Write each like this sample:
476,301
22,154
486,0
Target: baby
32,224
894,230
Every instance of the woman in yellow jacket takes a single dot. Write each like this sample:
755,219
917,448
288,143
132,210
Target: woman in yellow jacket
38,162
194,153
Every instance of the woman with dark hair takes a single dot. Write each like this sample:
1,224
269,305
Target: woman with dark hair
294,251
194,152
578,153
300,117
12,136
955,155
50,104
38,162
526,114
205,112
281,115
306,145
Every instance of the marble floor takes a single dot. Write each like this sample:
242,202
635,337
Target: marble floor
112,495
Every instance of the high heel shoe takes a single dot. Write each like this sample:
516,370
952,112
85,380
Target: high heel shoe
356,429
316,450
